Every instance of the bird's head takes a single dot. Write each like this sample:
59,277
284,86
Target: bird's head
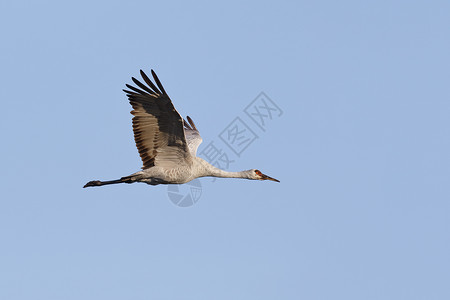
258,175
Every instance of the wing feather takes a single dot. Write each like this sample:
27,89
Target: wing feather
142,86
149,82
193,137
157,126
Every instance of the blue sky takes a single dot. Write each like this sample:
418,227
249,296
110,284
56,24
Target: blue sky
361,149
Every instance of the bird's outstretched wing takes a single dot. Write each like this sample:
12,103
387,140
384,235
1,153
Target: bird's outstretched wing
158,127
193,137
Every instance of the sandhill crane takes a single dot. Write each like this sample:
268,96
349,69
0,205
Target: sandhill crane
166,143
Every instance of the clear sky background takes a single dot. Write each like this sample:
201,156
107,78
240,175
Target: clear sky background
361,149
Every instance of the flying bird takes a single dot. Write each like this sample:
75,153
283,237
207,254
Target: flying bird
167,143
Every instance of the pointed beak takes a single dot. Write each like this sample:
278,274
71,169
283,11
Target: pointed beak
265,177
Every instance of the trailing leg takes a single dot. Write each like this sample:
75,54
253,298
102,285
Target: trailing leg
127,179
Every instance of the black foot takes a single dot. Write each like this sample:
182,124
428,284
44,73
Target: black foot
93,183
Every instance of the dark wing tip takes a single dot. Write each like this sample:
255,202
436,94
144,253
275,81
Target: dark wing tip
129,93
143,75
143,86
186,124
150,83
158,83
192,123
137,90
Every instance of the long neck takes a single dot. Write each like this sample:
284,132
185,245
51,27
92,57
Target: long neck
209,170
225,174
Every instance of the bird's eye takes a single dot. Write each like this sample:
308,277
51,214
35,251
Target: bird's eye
258,172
